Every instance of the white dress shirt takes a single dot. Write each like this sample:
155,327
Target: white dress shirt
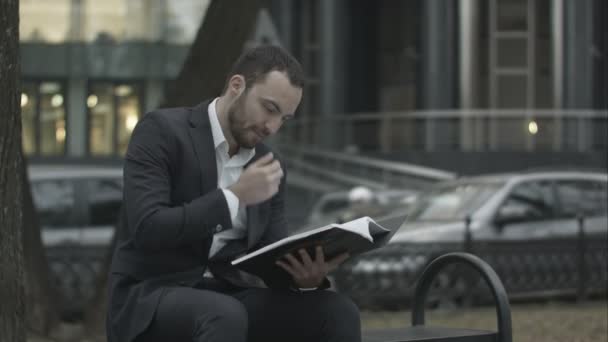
229,170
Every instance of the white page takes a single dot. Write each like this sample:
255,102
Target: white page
359,226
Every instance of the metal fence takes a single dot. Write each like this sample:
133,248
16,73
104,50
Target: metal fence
461,130
386,278
74,271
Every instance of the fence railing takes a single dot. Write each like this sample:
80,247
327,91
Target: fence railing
575,265
465,130
351,170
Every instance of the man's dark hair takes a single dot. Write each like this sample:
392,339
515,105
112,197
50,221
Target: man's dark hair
254,64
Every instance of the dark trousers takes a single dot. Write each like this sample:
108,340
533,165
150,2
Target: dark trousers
215,314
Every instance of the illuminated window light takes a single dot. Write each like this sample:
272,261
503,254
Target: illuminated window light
131,122
533,127
92,101
56,100
24,99
60,131
123,90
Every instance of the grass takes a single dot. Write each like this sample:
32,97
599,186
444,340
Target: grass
554,321
551,322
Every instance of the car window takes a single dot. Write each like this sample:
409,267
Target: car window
453,202
55,202
582,197
104,200
535,198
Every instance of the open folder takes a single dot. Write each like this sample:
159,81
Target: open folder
353,237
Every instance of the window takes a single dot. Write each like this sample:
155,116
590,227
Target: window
46,21
535,199
105,199
453,202
29,99
55,202
578,197
43,115
114,110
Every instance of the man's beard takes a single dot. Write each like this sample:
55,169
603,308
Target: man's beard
236,122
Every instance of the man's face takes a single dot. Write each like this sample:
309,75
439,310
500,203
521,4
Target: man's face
263,108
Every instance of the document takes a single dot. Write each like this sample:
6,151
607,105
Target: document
353,237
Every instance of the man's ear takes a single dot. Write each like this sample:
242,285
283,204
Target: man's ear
236,85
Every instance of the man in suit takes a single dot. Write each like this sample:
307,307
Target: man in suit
200,189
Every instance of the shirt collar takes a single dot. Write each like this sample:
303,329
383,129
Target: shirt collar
244,154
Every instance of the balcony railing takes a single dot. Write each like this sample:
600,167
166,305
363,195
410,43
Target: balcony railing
458,130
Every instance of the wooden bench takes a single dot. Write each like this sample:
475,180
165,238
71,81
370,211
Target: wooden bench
421,332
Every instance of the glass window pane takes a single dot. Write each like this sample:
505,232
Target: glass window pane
43,20
183,19
129,112
105,199
512,91
535,198
105,20
52,119
55,202
512,53
101,119
582,197
512,15
29,101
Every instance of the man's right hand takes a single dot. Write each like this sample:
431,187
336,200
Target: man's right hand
258,182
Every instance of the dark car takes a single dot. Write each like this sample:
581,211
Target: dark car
545,233
78,207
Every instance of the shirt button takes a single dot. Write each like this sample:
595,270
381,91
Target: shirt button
218,228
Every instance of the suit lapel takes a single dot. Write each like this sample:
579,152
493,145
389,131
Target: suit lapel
202,141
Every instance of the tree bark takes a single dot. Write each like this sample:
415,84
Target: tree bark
220,40
226,26
40,297
12,314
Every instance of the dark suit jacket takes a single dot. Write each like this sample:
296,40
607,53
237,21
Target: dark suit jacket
172,208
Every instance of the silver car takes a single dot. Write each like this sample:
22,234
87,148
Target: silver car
543,232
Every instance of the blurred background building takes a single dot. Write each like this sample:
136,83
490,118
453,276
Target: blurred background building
91,68
391,79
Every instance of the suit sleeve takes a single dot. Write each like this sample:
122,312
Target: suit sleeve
154,222
276,230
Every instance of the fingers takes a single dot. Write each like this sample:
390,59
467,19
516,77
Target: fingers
319,255
306,260
265,159
335,262
293,266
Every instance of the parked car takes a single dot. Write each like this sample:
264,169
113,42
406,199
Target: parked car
526,225
78,208
343,206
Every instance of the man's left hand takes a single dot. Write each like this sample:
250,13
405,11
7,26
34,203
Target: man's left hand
307,273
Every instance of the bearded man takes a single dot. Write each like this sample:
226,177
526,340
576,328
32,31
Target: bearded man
200,189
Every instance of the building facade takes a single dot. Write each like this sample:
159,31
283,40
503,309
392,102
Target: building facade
496,74
90,69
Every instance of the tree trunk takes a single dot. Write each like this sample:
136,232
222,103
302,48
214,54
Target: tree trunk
226,26
40,297
12,308
220,40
